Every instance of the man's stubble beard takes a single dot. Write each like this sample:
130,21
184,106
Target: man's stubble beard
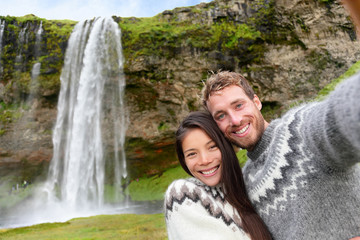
251,145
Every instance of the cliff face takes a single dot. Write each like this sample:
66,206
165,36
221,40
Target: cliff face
301,47
288,49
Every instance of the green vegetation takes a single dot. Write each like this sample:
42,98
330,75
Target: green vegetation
326,1
18,57
125,227
153,188
8,114
331,86
158,35
159,38
9,197
241,154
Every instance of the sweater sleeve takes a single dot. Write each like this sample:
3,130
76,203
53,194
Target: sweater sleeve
188,219
331,128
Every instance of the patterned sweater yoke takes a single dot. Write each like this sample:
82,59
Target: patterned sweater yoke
303,177
196,211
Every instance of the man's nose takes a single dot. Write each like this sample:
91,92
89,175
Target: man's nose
234,119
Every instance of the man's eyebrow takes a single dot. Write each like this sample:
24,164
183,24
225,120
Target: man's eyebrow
217,112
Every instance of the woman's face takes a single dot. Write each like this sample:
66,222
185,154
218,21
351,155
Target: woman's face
202,156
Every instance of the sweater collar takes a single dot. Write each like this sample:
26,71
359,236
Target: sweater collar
263,142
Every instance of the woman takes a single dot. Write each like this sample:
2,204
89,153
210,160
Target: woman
214,203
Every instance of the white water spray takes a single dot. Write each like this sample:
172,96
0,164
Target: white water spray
89,134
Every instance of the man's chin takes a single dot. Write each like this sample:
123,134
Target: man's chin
248,147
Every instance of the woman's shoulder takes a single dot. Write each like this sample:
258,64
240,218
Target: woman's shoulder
187,186
193,189
186,182
189,204
182,186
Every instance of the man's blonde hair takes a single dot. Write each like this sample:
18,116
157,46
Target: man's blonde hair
221,80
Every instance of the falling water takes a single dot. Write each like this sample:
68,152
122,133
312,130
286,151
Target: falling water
90,122
21,42
89,132
35,72
2,27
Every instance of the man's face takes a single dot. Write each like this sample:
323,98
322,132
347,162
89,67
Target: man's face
238,117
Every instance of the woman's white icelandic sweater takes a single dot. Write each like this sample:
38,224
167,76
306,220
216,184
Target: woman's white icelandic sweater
196,211
303,177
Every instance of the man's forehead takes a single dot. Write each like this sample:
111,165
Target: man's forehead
230,94
227,90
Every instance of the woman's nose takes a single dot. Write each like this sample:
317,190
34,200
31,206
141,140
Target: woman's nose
205,158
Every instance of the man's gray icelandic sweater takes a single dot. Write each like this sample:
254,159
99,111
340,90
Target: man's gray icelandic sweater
303,177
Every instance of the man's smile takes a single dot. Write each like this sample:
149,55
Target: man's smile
241,131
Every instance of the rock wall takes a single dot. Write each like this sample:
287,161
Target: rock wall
304,45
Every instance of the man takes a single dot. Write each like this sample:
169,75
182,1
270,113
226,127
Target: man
303,171
302,175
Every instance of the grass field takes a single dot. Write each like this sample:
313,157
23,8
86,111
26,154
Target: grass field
124,226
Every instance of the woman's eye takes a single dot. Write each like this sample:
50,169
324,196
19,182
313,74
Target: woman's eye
213,146
190,154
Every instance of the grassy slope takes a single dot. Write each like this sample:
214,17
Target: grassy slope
127,226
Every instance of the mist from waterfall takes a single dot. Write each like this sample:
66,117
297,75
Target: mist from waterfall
88,168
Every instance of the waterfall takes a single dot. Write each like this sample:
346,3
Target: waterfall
21,41
88,167
90,127
35,72
2,28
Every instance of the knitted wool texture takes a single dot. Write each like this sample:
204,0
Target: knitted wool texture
303,177
195,211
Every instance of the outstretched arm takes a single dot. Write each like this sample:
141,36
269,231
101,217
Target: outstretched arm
332,127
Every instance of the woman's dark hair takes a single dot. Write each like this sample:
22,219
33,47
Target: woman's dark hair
231,175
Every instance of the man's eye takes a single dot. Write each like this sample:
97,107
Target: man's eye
238,106
220,116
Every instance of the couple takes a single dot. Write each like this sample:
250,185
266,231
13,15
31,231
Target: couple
302,176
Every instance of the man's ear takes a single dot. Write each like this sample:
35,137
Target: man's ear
257,102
